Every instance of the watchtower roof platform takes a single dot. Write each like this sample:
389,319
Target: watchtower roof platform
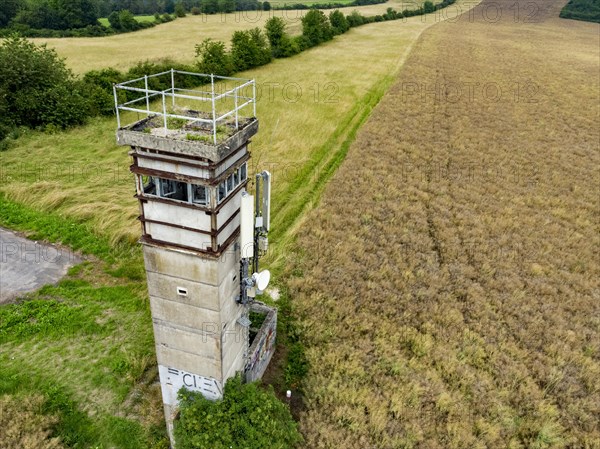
160,112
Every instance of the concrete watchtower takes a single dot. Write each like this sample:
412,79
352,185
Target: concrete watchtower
190,161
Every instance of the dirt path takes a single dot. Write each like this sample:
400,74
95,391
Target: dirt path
451,296
26,265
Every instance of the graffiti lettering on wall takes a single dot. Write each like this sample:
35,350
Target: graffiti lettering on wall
172,380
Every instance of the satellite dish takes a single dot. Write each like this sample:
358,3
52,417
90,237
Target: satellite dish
261,280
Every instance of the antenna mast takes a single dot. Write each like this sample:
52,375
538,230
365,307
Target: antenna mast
255,223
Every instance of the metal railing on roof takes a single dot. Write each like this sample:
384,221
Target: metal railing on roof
239,94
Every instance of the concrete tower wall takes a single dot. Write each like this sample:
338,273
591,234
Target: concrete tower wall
191,169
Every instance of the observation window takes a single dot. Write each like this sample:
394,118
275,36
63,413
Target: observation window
175,190
232,182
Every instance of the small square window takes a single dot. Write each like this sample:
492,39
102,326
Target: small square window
230,184
221,192
174,190
199,194
148,184
167,187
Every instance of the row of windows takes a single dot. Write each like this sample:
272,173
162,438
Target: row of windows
192,193
176,190
231,183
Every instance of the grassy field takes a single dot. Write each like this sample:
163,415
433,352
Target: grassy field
449,294
176,40
87,346
104,20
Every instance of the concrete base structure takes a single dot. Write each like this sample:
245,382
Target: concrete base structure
199,342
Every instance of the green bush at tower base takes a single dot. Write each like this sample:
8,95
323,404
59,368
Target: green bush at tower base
247,417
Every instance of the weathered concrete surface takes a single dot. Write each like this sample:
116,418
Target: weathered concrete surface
263,347
214,153
26,265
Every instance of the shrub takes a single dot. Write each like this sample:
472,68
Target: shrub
428,7
36,87
161,83
390,14
275,29
98,88
123,20
180,10
247,417
196,11
282,45
355,19
338,22
213,58
249,49
316,27
266,6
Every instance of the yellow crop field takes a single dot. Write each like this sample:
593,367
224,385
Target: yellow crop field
450,295
176,40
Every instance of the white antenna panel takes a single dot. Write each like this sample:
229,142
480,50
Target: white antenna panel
266,204
247,226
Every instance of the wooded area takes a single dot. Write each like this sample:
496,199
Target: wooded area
77,14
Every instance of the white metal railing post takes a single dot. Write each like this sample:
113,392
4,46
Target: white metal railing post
254,96
117,106
173,86
164,105
212,85
147,93
236,108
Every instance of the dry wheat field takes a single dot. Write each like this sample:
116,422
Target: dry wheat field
451,298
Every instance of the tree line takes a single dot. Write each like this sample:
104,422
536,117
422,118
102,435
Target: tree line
38,91
57,18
